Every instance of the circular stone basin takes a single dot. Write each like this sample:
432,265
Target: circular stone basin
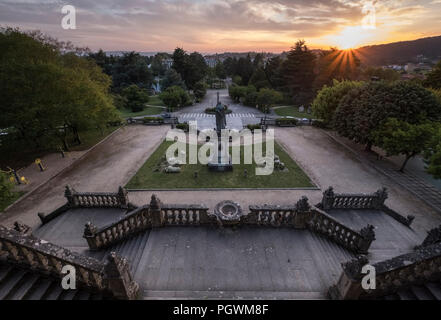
228,211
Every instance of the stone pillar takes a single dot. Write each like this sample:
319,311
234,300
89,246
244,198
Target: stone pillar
123,197
155,212
328,199
68,194
368,236
380,197
90,235
302,213
119,279
348,286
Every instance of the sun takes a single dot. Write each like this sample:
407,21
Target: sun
351,37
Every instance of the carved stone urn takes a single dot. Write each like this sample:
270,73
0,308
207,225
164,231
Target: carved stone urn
228,212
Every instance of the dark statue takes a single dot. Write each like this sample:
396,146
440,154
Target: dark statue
221,121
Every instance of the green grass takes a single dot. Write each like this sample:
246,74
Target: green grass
148,111
148,177
18,154
4,203
153,107
155,101
292,112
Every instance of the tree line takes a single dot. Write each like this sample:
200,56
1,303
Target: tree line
50,91
400,117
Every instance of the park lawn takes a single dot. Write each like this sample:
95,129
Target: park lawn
292,112
155,101
148,177
148,111
18,155
5,202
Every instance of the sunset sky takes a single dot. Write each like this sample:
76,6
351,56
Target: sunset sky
225,25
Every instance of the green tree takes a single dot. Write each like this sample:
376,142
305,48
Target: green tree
130,69
259,79
200,90
398,137
298,73
171,79
220,70
47,94
363,109
432,154
267,98
175,97
328,98
236,92
5,187
381,74
250,96
136,97
433,79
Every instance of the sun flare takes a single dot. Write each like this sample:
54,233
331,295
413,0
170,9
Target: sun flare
351,37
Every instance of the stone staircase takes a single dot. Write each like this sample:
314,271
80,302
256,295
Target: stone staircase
17,283
428,291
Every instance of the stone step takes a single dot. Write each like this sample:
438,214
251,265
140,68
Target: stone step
53,292
435,289
39,289
82,295
4,271
422,293
8,284
23,287
269,295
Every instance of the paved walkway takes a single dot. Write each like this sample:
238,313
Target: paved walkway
328,164
108,166
413,183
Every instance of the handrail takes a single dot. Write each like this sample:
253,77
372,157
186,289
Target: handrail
24,249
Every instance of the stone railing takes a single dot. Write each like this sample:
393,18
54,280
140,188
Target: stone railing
185,215
333,200
416,268
276,216
153,215
300,216
97,200
113,277
374,201
322,223
89,200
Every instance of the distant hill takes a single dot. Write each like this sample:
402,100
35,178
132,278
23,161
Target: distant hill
401,52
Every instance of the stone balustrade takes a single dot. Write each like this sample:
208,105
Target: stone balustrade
133,223
185,215
333,200
322,223
18,247
96,200
277,216
415,268
151,216
300,216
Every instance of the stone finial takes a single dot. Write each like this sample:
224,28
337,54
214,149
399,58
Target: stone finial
303,205
381,195
90,230
368,232
155,203
353,268
119,279
123,196
68,192
329,192
22,228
